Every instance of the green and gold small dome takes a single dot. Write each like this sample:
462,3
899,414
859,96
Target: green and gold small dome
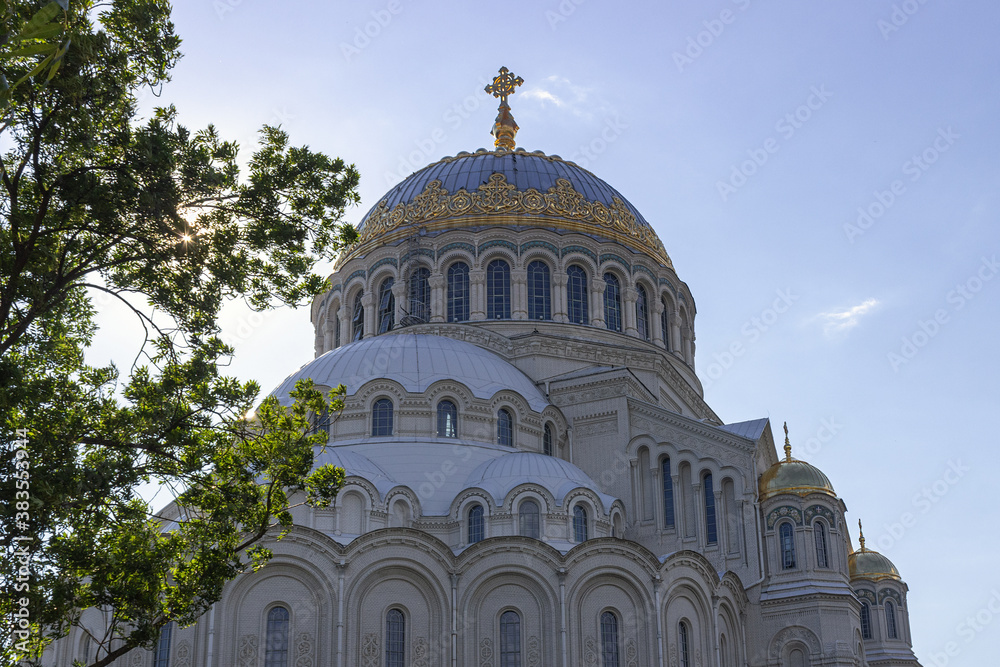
867,564
793,476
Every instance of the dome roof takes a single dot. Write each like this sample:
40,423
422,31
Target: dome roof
545,189
415,361
355,465
868,564
500,475
794,476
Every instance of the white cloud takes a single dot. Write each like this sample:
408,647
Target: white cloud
564,94
543,96
836,322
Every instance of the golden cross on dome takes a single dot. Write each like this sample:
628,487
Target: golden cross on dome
504,127
861,535
788,445
503,85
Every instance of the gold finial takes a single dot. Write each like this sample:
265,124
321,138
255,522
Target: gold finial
504,127
861,535
788,445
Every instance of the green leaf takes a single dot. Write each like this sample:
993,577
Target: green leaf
39,22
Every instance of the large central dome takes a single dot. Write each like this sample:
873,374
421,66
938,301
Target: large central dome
513,188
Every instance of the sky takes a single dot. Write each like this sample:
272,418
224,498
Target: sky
824,176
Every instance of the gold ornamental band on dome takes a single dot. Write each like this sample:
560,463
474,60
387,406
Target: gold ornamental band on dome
561,206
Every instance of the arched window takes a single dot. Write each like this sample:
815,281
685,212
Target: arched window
505,428
498,290
510,639
86,649
890,620
162,656
420,294
866,620
668,494
642,312
787,536
683,642
539,291
547,440
336,328
382,417
395,638
609,640
665,323
529,519
358,319
458,292
447,414
819,532
612,302
723,651
386,306
711,528
476,532
580,523
576,295
276,643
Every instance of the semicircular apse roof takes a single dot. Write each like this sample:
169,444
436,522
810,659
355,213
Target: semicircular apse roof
416,361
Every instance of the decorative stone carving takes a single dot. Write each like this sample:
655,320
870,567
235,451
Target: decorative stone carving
136,660
819,510
304,650
792,513
419,652
371,653
534,652
631,654
795,632
247,654
590,651
498,197
182,655
486,652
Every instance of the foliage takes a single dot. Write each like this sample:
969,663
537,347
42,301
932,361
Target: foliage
164,219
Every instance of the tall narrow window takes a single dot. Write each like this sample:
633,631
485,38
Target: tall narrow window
498,290
476,532
510,639
609,640
787,536
665,324
505,428
458,292
668,494
162,656
386,306
420,295
382,417
547,440
723,652
276,643
684,644
866,620
336,328
612,302
358,319
711,527
890,620
642,312
819,532
580,523
395,638
447,415
576,295
539,291
529,519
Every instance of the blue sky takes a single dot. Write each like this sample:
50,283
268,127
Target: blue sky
833,161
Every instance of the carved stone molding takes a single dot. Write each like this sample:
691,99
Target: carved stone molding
590,652
247,655
304,650
631,654
371,653
419,652
182,655
486,652
534,652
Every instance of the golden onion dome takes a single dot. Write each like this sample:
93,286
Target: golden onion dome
793,476
867,564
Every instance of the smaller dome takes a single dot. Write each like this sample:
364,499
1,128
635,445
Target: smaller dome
868,564
501,475
794,476
355,465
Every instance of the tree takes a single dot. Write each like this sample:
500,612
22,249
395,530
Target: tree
162,218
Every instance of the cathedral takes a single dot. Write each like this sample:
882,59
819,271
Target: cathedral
533,477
